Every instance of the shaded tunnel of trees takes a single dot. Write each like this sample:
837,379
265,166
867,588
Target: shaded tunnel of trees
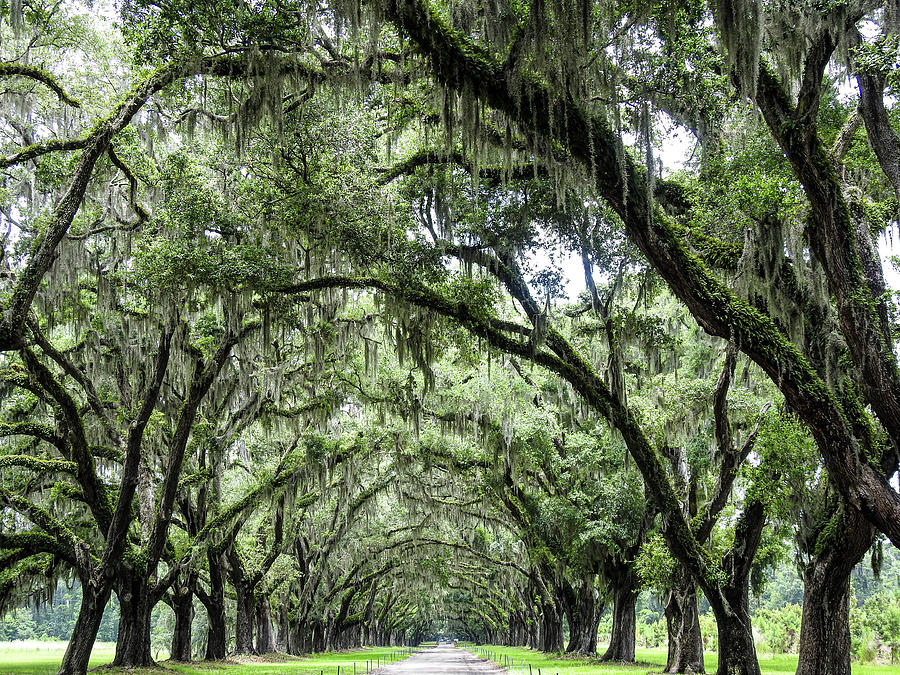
341,322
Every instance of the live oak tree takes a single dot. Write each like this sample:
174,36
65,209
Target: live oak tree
275,210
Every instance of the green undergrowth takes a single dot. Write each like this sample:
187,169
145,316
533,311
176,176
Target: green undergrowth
518,659
43,658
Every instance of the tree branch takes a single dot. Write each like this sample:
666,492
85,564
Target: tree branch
9,69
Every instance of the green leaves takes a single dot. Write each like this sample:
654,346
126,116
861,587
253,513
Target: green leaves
165,264
655,565
880,57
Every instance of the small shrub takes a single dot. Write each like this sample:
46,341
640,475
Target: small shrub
652,633
710,632
780,628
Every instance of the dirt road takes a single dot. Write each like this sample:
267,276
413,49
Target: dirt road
441,660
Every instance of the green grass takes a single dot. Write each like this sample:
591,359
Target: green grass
649,661
38,657
43,658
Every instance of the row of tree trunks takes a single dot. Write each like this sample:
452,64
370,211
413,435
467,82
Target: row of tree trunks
824,642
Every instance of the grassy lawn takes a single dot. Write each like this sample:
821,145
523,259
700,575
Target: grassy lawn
43,658
35,656
517,660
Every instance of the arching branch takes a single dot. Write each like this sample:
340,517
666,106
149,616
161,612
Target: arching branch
9,69
463,65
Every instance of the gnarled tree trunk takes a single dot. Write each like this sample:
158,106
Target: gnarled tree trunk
825,626
78,651
135,607
265,635
737,651
183,607
621,641
685,654
246,611
214,601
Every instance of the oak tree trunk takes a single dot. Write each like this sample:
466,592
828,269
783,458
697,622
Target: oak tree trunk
265,635
621,641
90,614
215,610
246,611
825,625
685,653
551,636
737,651
183,607
135,607
585,616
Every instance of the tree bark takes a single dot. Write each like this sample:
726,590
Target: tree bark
737,652
551,636
135,607
685,654
584,618
825,625
283,634
621,641
183,607
265,635
317,637
246,611
533,627
78,651
214,601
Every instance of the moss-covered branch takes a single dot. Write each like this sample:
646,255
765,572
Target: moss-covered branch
94,489
116,533
42,518
38,465
35,430
78,376
36,150
34,541
428,157
8,70
462,65
14,310
248,502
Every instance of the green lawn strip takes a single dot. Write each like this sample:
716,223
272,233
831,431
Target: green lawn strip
518,659
43,658
328,664
37,657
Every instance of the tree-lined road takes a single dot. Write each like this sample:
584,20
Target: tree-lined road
442,660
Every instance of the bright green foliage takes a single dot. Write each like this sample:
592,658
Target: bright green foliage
780,628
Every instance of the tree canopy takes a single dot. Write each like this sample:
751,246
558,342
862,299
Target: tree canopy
287,321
